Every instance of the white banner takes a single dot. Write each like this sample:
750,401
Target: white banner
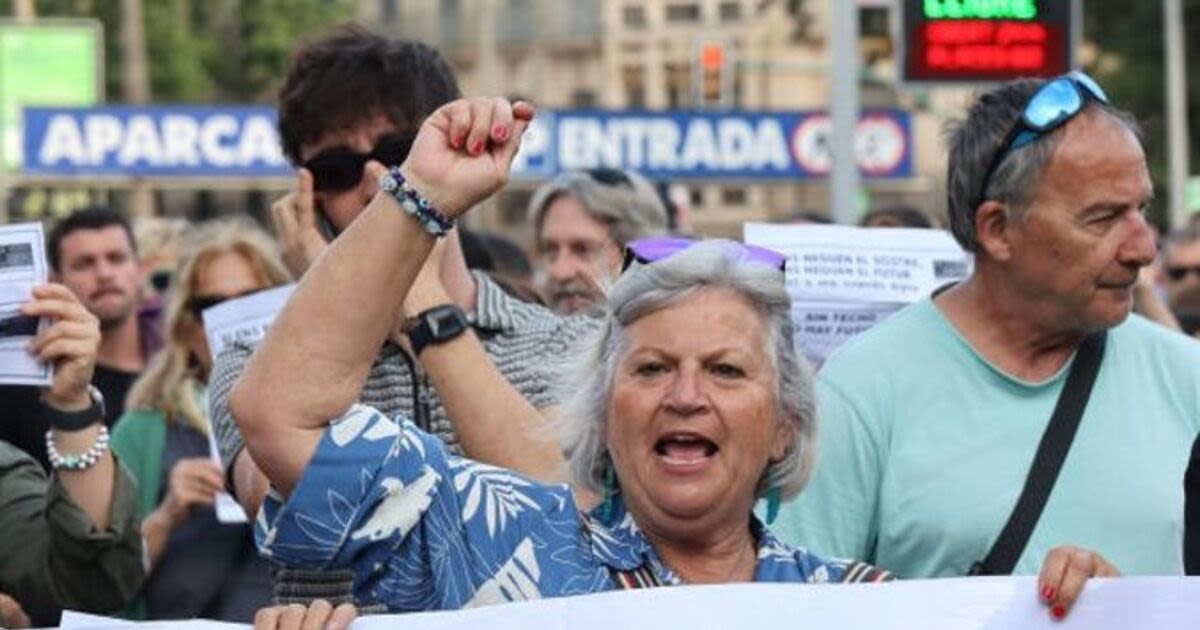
981,603
843,279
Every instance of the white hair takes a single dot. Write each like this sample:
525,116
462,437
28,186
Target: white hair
642,290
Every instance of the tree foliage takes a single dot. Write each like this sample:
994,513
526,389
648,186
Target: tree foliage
206,51
1130,41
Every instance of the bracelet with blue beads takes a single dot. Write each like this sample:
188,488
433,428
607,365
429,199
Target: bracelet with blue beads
414,204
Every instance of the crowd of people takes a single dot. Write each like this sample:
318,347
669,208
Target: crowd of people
434,422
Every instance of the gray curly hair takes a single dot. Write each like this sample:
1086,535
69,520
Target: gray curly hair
714,264
628,206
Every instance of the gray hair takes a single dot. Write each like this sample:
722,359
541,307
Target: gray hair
642,290
630,209
974,141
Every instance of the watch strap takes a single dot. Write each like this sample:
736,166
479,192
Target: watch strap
428,328
76,420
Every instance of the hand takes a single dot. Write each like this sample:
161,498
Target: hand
1064,574
295,218
319,615
70,342
193,481
463,151
11,613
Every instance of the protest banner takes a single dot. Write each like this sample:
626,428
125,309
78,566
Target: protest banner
978,603
844,280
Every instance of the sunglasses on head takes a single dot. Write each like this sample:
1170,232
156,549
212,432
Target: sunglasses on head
609,176
200,303
341,168
1051,106
1179,272
649,250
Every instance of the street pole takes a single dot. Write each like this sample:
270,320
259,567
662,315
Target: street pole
1177,123
135,88
843,178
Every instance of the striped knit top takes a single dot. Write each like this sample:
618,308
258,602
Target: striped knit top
525,341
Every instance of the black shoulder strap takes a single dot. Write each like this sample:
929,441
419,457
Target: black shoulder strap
1048,461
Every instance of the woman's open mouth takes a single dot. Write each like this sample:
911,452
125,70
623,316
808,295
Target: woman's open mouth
685,450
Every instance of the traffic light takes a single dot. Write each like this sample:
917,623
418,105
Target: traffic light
712,64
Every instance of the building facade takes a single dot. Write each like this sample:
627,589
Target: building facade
652,54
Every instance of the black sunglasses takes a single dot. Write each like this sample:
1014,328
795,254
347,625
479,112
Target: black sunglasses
200,303
341,168
1180,272
160,279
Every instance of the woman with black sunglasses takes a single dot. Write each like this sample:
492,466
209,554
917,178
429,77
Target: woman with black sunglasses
199,566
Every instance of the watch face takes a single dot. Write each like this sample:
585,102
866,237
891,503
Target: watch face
445,324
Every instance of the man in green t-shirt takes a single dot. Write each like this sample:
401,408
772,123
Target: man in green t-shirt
929,421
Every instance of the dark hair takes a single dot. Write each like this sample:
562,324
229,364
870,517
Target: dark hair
91,218
351,76
474,251
905,215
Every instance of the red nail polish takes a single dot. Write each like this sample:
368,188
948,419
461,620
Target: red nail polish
457,141
477,148
1058,611
1049,592
500,132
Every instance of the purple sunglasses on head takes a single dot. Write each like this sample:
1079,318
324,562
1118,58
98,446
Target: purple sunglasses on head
648,250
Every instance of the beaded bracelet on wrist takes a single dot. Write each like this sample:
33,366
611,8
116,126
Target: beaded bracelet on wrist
81,461
414,204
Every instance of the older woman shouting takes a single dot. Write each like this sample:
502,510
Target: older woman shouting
693,406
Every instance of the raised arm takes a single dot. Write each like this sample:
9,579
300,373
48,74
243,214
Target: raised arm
316,356
494,422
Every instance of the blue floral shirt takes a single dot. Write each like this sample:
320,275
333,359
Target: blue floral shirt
424,530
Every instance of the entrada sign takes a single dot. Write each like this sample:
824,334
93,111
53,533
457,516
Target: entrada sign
174,141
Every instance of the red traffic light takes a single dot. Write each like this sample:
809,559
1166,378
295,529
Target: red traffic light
712,56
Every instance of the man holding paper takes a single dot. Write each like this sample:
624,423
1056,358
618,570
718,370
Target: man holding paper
936,430
71,540
93,253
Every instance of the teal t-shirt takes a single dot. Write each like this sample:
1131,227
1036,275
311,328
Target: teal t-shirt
923,447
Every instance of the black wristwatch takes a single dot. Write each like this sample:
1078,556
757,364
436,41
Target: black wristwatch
76,420
436,326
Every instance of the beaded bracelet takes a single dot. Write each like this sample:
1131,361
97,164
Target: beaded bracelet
415,205
83,461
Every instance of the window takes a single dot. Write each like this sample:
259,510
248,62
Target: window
387,11
733,196
519,22
633,15
449,16
730,11
583,97
688,12
873,21
585,17
697,197
679,85
634,80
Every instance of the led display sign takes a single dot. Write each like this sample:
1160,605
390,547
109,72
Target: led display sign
985,40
